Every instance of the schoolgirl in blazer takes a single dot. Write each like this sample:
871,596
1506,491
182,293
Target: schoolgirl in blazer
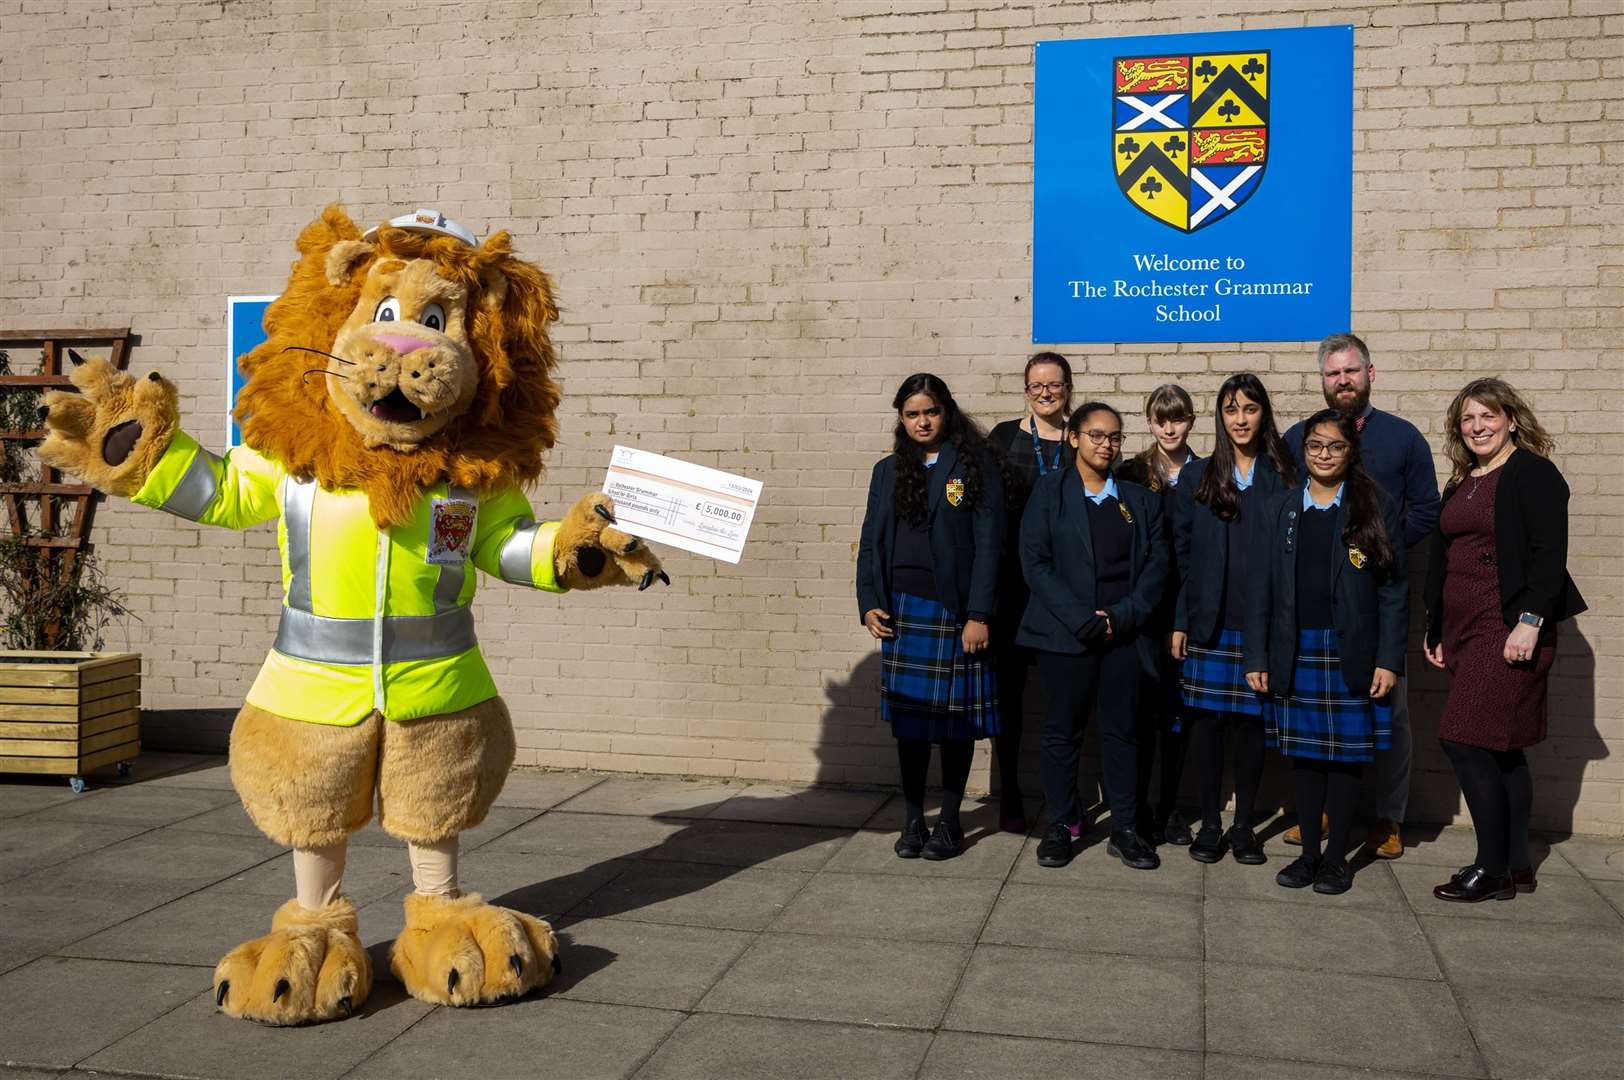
1201,548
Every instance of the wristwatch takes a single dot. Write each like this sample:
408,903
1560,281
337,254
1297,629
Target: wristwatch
1528,618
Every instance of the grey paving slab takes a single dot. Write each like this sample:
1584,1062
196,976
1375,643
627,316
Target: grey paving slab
1547,1035
690,894
40,921
891,907
167,860
153,764
59,1011
24,795
195,929
715,1047
536,1036
542,885
977,815
1538,958
749,843
1094,868
1365,941
369,872
654,798
1613,892
1558,900
1232,1067
1597,858
986,855
1087,997
228,820
1456,847
28,1074
620,962
499,820
801,806
1420,1028
148,807
611,835
853,980
197,1040
17,950
213,773
1096,920
29,844
957,1055
539,789
1373,886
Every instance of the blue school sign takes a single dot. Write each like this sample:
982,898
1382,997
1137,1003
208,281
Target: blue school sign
1194,187
245,331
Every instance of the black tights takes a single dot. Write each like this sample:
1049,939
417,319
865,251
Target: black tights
1156,727
1499,794
1209,762
1331,788
914,757
1013,664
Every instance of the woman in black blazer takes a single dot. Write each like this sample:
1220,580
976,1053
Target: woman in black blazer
1327,615
1095,558
1217,499
927,576
1497,586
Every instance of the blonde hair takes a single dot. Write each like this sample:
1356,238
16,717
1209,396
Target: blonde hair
1499,397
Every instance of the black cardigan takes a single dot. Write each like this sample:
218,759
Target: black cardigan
965,544
1201,548
1530,543
1371,617
1057,555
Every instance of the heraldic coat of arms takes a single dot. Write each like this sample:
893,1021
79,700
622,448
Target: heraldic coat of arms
1190,134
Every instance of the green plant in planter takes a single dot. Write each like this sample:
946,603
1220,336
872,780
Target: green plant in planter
51,598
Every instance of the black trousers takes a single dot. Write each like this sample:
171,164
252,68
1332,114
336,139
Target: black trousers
1073,685
1013,664
1161,751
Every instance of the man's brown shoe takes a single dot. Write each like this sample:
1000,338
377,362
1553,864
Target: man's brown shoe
1294,835
1384,840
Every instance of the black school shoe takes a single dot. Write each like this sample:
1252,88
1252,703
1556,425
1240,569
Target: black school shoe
1055,850
1208,846
946,842
1176,832
911,844
1244,846
1299,873
1133,852
1333,878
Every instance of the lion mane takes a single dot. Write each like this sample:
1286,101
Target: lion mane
285,413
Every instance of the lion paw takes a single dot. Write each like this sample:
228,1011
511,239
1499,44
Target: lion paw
309,968
113,431
463,951
591,552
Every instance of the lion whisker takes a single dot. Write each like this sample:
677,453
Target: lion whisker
318,352
315,370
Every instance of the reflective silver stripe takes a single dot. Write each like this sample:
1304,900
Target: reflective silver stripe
298,496
349,641
449,587
515,558
197,488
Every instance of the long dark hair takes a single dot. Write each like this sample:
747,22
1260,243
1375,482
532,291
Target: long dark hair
1217,488
1366,529
958,428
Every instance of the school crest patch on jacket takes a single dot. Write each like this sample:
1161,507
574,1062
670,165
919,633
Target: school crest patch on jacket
1357,557
955,492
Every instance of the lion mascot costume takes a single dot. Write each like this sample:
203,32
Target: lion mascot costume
403,397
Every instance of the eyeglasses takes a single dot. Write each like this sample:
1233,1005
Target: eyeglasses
1036,388
1316,448
1100,438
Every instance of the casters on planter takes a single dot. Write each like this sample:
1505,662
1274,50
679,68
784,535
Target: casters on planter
124,770
77,783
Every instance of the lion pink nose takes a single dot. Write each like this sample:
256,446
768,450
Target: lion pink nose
401,344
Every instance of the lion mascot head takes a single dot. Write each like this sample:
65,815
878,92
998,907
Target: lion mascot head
403,359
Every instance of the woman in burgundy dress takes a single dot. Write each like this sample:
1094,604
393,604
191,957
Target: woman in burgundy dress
1497,585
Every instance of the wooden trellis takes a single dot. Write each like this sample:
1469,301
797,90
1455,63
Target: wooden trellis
50,525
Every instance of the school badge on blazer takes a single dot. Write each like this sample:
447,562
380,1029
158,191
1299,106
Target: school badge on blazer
1357,557
1127,515
955,492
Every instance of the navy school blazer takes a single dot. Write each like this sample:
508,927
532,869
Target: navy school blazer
1201,548
965,543
1057,557
1371,617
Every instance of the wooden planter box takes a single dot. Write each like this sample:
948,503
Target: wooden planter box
65,713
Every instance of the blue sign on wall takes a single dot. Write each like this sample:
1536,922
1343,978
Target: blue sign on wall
245,330
1194,187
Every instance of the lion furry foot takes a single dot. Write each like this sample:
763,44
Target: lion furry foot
463,951
309,968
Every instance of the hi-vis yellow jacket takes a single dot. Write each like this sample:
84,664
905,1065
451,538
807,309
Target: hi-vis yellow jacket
368,622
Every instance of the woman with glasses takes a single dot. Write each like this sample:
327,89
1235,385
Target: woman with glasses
927,581
1218,497
1170,414
1094,554
1032,448
1327,619
1497,585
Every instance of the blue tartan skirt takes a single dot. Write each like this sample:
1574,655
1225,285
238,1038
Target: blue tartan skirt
1215,680
929,687
1322,718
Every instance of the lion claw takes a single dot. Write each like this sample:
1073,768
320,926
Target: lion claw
664,577
220,998
648,579
558,964
348,1005
451,981
75,357
603,512
281,988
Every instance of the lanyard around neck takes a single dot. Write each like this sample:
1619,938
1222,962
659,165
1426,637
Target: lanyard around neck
1037,450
